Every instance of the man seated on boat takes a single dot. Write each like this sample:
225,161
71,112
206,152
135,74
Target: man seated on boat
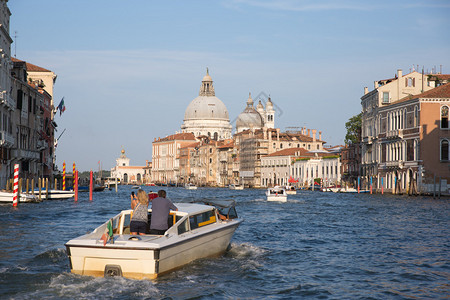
139,221
160,213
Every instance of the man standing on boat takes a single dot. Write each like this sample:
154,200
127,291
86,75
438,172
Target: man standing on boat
160,213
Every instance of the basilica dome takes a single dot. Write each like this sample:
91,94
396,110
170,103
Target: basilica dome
249,118
207,115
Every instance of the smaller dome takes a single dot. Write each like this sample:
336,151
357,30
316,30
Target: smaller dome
259,106
249,118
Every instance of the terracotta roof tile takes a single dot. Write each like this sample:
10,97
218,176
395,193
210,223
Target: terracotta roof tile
178,136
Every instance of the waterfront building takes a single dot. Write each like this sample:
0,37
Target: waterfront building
165,156
126,173
258,118
413,142
399,134
322,166
7,102
253,144
207,115
33,125
351,164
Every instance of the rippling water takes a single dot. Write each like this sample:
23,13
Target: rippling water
317,245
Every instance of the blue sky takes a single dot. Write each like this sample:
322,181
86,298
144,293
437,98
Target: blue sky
128,69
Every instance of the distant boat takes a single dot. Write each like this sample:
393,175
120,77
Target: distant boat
135,187
7,197
190,186
236,187
276,193
290,190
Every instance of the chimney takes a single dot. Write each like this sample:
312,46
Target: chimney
320,135
399,73
309,132
366,90
278,134
314,135
375,84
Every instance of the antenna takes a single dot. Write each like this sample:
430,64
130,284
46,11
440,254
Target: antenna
15,43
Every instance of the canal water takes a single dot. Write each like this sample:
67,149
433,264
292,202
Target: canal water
315,246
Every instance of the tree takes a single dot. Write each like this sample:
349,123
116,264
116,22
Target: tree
353,127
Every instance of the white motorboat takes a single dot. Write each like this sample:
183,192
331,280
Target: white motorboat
7,197
290,190
190,186
55,194
236,187
276,193
198,231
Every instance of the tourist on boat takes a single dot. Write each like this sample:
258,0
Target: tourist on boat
160,213
134,200
139,221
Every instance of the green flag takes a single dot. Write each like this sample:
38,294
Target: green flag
110,229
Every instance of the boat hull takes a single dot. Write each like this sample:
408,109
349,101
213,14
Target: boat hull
148,262
6,197
280,198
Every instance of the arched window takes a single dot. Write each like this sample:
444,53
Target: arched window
444,150
444,117
216,135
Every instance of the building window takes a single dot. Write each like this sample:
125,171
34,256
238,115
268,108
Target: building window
416,116
444,150
444,117
385,97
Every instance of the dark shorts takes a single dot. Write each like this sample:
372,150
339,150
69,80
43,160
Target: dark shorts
157,231
138,226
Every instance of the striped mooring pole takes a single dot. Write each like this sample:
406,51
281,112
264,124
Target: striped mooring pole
16,185
64,176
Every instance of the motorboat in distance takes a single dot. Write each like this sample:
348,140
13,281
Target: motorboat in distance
290,190
190,186
195,231
276,193
236,187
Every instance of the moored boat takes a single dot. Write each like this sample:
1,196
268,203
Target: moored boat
190,186
236,187
195,231
55,194
7,197
276,193
290,190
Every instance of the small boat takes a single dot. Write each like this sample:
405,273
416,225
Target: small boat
196,231
276,193
111,182
190,186
236,187
97,188
7,197
290,190
55,194
135,187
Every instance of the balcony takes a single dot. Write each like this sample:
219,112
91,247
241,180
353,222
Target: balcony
7,140
22,154
6,100
394,134
367,139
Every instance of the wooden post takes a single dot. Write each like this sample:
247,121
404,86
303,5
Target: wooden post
359,181
40,189
46,188
371,185
91,186
27,185
116,187
56,184
16,186
382,186
32,186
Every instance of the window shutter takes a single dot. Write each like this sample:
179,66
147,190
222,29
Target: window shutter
414,82
406,82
